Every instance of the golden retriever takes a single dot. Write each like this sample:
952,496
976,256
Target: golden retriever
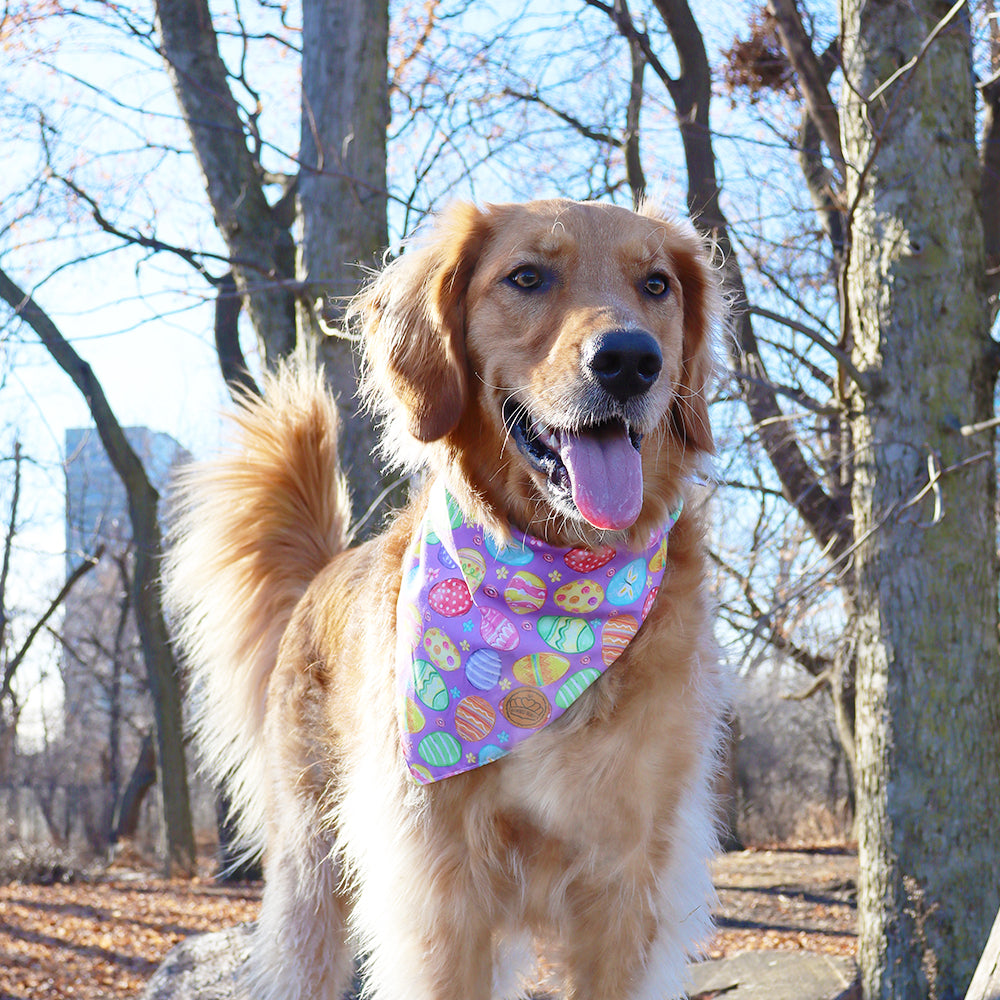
548,363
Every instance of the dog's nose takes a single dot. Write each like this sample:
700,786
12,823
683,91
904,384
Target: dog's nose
625,362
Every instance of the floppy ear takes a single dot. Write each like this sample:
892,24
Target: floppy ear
702,304
413,327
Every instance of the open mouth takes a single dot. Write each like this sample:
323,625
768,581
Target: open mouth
596,469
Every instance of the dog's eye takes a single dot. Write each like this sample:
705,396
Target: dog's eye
526,277
656,284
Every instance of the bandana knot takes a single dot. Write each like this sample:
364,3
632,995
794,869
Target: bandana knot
495,642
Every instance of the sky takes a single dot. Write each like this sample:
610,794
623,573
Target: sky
103,111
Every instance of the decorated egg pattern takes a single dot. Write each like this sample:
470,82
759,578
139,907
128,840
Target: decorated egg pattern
616,635
474,718
524,593
568,635
496,640
441,651
628,584
587,560
450,597
575,686
580,597
429,686
482,669
498,630
473,567
540,669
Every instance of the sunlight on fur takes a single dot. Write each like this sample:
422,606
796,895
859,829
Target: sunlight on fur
547,364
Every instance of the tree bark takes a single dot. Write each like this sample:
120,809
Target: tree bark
342,201
928,684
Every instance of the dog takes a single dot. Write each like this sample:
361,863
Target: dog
545,367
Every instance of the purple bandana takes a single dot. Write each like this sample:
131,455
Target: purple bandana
496,642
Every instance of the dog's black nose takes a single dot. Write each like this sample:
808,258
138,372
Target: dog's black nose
625,362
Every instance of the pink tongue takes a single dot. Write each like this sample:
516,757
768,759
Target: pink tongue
605,473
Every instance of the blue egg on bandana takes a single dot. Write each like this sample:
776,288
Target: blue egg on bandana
482,669
513,554
446,559
627,584
490,753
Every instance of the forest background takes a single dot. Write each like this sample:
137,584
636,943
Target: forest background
184,187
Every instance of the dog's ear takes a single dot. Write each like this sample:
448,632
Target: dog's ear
413,327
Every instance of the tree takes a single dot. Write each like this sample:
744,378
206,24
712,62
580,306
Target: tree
923,499
336,197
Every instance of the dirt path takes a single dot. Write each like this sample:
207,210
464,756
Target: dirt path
101,940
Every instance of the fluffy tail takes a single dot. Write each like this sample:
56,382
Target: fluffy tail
249,531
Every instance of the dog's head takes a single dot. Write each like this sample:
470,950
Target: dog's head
553,357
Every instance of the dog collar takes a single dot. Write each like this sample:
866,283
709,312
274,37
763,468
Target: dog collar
497,641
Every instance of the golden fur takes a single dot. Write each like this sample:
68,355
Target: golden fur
592,838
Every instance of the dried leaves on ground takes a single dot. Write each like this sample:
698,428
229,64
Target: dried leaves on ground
102,938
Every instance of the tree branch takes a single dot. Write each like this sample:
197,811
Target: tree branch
11,668
811,76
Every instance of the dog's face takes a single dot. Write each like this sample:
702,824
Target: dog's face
556,354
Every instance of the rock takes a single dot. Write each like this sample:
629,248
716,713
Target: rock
775,975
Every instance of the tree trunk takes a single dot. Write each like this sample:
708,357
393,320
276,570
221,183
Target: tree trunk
342,200
928,683
162,674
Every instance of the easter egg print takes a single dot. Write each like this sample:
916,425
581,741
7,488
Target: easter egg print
587,560
575,686
509,553
474,718
498,630
539,669
616,635
626,585
524,593
441,651
444,557
440,749
450,597
580,597
566,635
490,753
482,669
473,568
421,774
414,717
659,560
526,708
429,686
648,603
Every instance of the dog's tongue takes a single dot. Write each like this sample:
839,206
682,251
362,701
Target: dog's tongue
605,473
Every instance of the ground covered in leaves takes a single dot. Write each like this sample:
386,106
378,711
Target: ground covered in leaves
101,938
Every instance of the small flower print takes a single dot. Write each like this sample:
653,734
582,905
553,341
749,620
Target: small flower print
503,737
555,576
502,572
470,758
465,645
456,692
467,627
505,685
